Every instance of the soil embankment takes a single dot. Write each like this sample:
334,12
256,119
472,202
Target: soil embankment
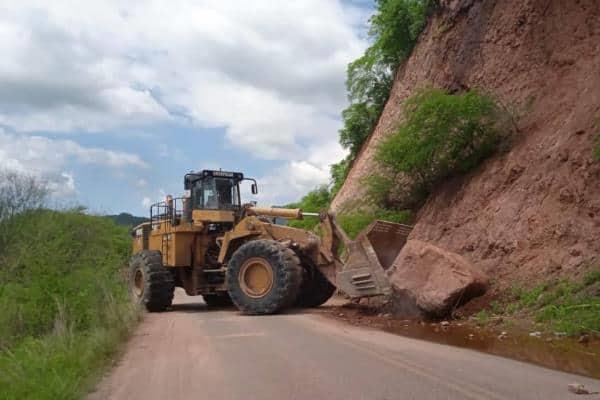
532,212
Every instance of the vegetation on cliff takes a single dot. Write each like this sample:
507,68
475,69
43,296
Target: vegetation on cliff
394,30
442,135
319,200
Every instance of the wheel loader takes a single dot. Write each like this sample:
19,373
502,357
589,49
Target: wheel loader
211,244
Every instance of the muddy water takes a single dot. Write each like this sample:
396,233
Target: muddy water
564,354
558,353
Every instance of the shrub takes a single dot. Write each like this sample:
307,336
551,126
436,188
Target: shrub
442,135
379,188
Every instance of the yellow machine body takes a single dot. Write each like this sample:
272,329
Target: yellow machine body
198,244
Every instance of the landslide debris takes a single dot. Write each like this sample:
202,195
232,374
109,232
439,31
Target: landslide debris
430,281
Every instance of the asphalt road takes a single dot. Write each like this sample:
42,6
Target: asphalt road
194,353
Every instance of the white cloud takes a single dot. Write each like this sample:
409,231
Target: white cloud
290,183
270,73
141,183
48,158
61,185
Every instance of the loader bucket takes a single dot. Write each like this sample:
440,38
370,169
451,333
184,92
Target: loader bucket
369,256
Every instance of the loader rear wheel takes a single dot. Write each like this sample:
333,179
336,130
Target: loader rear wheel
315,289
217,299
150,283
263,277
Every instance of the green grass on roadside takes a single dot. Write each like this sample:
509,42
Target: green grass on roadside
482,317
562,306
64,303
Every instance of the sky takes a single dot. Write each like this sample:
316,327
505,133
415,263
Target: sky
111,103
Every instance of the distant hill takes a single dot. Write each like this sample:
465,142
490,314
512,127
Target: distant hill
127,219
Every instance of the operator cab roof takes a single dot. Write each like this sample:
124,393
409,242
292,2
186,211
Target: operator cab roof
192,177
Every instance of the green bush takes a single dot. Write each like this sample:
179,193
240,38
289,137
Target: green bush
64,302
379,189
442,135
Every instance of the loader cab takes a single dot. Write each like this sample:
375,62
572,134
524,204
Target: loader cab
215,195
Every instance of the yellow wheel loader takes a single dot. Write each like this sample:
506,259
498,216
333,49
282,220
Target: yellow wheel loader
210,244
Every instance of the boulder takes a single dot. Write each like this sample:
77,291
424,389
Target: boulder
431,281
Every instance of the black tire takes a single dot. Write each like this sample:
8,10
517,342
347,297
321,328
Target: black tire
215,300
150,283
286,274
315,289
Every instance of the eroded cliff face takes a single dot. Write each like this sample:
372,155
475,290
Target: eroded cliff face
532,212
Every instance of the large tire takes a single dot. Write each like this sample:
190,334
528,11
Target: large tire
315,289
215,300
150,283
263,277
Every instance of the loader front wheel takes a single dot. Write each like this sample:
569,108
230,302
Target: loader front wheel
315,289
150,283
263,277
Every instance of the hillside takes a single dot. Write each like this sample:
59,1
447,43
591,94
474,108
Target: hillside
532,212
127,219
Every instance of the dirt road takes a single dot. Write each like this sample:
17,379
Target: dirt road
194,353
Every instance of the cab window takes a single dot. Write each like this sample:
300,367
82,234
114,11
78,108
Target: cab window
216,194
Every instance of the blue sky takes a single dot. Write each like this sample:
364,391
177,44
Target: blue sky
113,103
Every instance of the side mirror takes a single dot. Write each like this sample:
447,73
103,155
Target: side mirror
254,188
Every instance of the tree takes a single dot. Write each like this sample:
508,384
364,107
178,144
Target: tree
394,29
20,192
338,172
359,118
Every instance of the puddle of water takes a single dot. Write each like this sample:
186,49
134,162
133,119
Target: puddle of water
562,354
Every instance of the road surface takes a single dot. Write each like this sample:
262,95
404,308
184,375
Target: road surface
195,353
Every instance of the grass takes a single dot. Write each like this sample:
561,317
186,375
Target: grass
482,317
562,306
64,304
